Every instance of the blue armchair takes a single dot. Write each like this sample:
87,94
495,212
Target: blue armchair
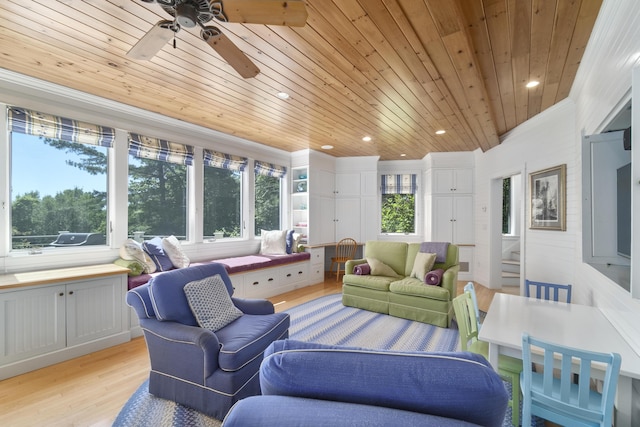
320,385
205,370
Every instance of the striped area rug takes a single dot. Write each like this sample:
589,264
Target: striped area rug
326,321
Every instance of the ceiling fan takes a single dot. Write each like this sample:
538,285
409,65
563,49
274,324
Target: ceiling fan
189,13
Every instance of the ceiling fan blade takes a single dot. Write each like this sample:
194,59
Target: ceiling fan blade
147,47
232,54
291,13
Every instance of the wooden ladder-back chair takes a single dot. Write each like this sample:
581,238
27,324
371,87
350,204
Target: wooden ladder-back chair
559,400
547,291
345,251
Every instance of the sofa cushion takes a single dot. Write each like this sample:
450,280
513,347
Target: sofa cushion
273,242
132,250
416,287
457,385
210,303
394,254
379,283
379,268
173,249
422,264
248,336
154,248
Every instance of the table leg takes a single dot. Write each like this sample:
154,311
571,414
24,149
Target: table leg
494,351
624,403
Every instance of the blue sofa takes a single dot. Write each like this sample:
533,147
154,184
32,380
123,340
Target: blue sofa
205,370
306,384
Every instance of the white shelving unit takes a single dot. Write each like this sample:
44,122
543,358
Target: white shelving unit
300,202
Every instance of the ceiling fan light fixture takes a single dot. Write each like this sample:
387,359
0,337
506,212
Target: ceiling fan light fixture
187,14
532,84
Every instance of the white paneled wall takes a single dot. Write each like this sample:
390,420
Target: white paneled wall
602,86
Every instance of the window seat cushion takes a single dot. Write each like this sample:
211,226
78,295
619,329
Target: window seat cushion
234,265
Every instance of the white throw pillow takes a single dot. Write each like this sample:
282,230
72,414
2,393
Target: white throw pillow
132,250
273,242
172,248
423,264
210,303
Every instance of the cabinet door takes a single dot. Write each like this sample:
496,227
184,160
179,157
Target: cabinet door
463,220
453,181
322,182
442,226
321,220
369,228
348,218
348,184
94,309
33,322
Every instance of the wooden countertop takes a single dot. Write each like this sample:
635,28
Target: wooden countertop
41,277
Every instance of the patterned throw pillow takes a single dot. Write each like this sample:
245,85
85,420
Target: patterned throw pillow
210,303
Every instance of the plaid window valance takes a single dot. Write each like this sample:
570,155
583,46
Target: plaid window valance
159,149
269,169
49,126
224,161
399,184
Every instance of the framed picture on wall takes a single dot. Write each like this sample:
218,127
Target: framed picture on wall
548,199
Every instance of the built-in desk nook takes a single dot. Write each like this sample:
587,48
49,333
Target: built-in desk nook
49,316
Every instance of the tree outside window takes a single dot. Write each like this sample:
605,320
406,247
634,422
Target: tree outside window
267,203
398,204
222,202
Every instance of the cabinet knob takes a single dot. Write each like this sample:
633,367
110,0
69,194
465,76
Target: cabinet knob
61,294
70,292
289,275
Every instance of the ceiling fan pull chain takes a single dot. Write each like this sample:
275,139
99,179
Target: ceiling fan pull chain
174,40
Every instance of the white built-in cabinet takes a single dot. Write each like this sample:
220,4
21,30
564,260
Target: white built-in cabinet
61,317
449,205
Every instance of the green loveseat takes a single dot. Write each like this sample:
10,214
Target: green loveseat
403,296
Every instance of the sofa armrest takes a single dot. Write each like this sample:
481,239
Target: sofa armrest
429,383
254,306
450,280
350,265
171,341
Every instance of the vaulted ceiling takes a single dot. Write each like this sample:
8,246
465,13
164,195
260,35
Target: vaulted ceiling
394,70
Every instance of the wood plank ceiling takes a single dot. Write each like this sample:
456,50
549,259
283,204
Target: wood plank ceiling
395,70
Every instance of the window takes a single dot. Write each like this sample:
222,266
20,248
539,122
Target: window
506,206
58,181
222,194
158,186
398,204
268,200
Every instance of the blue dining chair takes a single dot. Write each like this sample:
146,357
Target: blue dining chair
560,400
547,291
472,290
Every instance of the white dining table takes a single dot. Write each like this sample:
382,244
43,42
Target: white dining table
571,325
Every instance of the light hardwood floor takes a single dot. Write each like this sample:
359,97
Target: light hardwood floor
91,390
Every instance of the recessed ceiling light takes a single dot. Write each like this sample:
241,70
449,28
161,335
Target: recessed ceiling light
403,155
441,132
366,138
282,95
533,83
327,147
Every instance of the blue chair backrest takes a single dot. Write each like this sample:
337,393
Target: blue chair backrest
558,399
547,291
472,290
